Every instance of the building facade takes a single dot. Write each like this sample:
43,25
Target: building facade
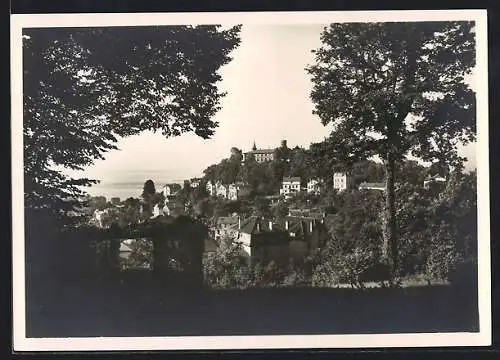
290,186
230,192
313,186
341,181
372,186
260,155
233,191
226,226
293,238
433,180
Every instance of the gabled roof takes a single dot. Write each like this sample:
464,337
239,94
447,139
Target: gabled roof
435,178
249,225
291,179
300,225
261,151
227,220
372,185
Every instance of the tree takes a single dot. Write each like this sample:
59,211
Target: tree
227,266
85,88
393,89
262,207
280,211
148,189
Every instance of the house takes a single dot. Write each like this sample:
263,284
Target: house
372,186
341,181
226,226
313,186
221,190
98,216
232,191
169,190
194,182
290,186
273,199
433,180
312,213
294,237
307,233
260,155
217,189
157,211
211,189
262,240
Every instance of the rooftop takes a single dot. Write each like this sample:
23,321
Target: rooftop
227,220
366,185
261,151
291,179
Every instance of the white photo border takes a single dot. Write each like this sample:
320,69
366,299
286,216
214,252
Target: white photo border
21,343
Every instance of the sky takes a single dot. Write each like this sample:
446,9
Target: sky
267,101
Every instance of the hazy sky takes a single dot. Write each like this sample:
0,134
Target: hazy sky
267,101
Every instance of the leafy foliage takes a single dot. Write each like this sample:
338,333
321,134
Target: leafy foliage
86,88
226,266
393,89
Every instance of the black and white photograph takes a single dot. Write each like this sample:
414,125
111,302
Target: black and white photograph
250,180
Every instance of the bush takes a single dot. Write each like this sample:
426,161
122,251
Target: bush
296,276
226,267
443,257
350,268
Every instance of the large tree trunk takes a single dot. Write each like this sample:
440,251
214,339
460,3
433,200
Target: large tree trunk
390,248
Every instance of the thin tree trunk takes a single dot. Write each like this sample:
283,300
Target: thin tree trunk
390,249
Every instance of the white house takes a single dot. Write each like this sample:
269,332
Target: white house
232,192
227,226
313,186
166,191
211,188
194,183
221,190
434,179
341,181
372,186
98,217
157,211
289,186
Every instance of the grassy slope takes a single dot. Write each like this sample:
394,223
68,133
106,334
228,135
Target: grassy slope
59,310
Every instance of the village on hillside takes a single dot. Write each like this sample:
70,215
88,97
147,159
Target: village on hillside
372,229
266,233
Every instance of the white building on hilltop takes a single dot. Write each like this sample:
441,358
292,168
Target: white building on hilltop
260,155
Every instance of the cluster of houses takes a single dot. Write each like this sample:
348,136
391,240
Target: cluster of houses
292,185
262,240
229,192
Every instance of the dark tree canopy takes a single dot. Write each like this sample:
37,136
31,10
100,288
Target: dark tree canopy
84,88
396,87
393,90
148,189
